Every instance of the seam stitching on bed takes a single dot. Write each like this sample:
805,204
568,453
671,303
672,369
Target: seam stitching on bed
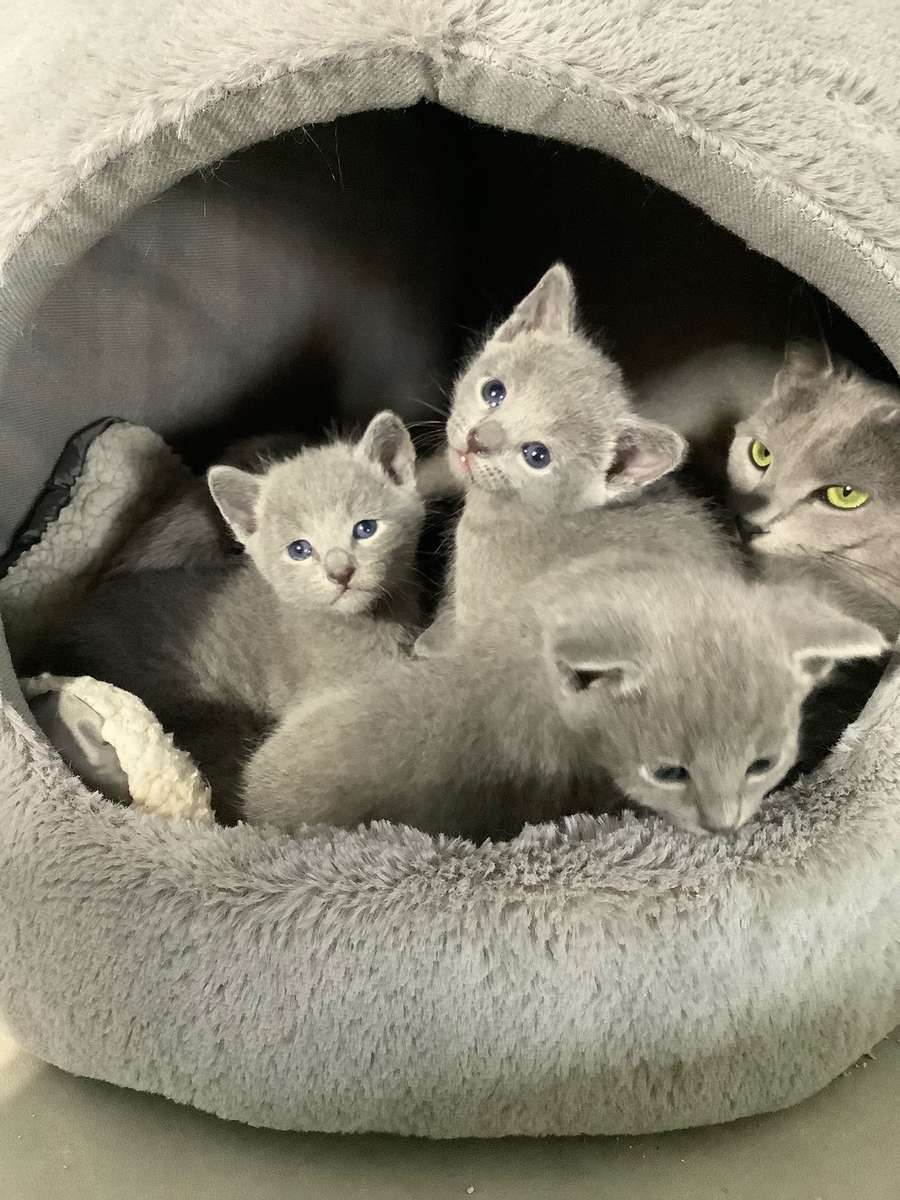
686,128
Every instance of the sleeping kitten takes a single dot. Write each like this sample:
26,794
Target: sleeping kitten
541,436
218,654
684,688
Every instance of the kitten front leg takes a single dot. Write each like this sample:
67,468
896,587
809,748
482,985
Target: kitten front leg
439,637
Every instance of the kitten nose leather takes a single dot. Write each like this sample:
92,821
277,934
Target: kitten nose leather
339,566
747,529
721,813
484,438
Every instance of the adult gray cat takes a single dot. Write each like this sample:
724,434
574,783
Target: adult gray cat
325,591
811,446
814,473
683,687
541,436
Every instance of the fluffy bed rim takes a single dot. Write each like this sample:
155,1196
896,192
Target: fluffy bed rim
389,981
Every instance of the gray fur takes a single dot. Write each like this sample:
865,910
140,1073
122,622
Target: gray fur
219,653
569,702
188,530
705,396
564,392
825,423
698,670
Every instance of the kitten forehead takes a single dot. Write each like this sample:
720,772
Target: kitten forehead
555,381
565,393
324,480
717,667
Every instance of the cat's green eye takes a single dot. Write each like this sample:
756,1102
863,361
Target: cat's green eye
842,495
760,455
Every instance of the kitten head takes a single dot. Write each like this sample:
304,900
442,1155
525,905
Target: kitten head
690,697
543,414
814,471
335,526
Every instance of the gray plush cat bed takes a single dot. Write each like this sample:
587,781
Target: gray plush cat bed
612,975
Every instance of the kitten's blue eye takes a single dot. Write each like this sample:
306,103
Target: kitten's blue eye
536,455
760,766
494,393
364,529
300,549
672,774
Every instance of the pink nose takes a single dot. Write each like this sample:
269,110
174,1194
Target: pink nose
485,438
339,566
342,575
474,444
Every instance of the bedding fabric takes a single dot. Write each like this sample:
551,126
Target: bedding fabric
607,976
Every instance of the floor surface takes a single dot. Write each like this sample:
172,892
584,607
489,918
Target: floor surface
63,1138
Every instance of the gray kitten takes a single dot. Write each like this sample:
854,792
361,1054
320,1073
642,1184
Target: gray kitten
218,654
188,529
681,690
541,436
708,674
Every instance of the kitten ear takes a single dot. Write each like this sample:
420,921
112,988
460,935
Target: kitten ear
582,664
548,308
644,452
236,494
819,635
386,442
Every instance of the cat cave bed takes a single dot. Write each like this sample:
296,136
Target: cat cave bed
606,975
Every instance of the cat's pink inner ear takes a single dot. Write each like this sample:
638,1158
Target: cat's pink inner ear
236,494
644,452
386,442
548,308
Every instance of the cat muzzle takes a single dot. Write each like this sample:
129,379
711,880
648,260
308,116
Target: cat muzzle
748,530
339,567
484,438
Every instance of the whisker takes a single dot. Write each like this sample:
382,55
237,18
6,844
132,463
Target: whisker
866,571
431,407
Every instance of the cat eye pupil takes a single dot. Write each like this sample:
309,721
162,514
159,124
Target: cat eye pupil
759,766
844,496
364,529
494,393
671,773
760,455
536,454
300,549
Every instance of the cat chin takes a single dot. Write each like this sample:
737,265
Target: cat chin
354,601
